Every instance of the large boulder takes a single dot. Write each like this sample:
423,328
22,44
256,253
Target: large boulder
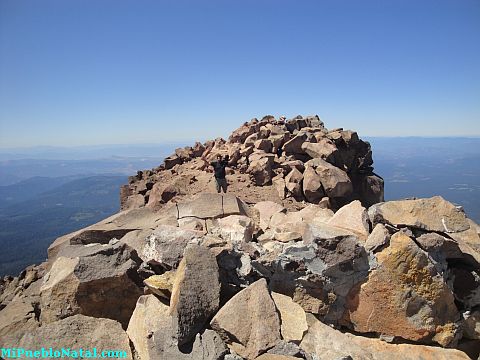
312,186
98,281
146,319
250,319
335,181
167,243
432,214
151,332
77,333
293,183
261,170
424,308
324,149
352,216
266,210
234,228
195,293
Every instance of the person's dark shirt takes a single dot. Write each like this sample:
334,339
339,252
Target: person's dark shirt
219,168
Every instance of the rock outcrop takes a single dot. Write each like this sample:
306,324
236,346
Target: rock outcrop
300,260
297,159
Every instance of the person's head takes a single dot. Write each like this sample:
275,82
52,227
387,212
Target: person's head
219,157
226,158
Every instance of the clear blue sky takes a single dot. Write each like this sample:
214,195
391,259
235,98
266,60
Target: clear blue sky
76,72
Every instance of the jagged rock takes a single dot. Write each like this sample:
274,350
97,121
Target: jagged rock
294,146
378,238
241,134
331,344
293,183
424,305
288,349
88,332
207,346
471,326
288,166
368,188
146,319
335,181
469,243
172,161
261,170
195,294
266,210
249,318
151,330
167,243
432,214
324,149
21,314
101,282
353,217
234,228
312,186
198,149
161,285
264,145
292,317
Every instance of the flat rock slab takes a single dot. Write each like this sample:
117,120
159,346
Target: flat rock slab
293,318
249,318
195,293
432,214
211,206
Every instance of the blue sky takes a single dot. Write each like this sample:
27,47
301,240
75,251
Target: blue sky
82,72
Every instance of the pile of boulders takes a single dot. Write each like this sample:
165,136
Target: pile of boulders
298,158
301,259
212,277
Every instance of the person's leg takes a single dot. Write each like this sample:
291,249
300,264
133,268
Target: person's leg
217,185
224,185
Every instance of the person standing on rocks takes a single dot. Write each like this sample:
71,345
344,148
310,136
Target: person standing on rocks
219,171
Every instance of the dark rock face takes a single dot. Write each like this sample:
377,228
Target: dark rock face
195,293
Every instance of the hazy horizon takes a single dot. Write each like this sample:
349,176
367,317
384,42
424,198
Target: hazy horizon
108,72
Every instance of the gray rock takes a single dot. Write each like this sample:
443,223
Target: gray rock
195,293
99,283
167,243
74,332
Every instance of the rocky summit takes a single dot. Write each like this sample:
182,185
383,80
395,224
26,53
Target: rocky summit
300,259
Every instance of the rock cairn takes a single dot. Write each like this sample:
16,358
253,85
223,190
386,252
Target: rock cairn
206,276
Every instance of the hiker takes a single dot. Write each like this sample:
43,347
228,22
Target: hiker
219,170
